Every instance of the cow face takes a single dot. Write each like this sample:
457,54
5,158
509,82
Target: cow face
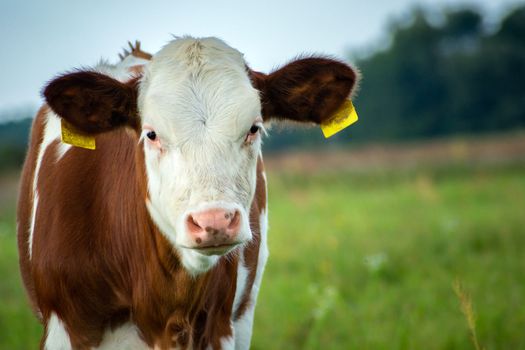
201,126
199,113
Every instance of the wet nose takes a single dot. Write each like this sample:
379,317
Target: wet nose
214,227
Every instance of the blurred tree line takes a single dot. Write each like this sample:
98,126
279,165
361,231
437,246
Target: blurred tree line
454,77
444,79
14,136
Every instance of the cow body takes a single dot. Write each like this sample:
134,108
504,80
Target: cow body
118,252
94,220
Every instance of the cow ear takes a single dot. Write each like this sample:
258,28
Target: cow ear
307,90
93,102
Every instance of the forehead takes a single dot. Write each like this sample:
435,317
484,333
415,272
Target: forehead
194,84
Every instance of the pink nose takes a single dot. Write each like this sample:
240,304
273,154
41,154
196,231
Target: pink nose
214,227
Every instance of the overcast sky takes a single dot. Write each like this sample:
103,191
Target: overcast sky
43,38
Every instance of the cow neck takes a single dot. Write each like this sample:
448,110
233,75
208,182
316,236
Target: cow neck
184,307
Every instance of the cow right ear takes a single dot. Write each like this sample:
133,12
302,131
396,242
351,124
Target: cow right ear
307,90
94,102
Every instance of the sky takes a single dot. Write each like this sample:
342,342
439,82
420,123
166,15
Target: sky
41,39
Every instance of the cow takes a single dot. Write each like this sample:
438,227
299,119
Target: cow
157,239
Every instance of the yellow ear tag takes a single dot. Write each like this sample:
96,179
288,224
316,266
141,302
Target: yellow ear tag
344,117
72,136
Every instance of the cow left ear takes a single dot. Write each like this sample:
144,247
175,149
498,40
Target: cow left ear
307,90
93,102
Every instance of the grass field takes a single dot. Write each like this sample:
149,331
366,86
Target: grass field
367,260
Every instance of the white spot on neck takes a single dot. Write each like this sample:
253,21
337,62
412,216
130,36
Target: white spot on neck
57,337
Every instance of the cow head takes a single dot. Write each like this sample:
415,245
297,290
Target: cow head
200,113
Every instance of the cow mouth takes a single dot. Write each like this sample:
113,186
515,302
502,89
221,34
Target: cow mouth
219,249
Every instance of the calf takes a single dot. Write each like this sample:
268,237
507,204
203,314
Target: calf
157,239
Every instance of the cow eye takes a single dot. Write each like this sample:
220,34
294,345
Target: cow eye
252,134
152,135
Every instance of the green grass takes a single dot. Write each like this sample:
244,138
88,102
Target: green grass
368,261
19,329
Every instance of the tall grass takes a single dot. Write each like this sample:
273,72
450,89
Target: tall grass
468,311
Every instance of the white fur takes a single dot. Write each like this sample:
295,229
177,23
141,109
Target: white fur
57,337
264,252
242,278
132,61
120,71
51,133
243,328
244,325
197,97
227,343
62,149
32,223
125,337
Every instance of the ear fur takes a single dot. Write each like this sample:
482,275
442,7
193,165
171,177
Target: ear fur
305,90
93,102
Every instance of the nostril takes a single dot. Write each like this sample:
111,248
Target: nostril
193,226
234,223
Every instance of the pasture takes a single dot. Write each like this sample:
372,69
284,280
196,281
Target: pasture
365,258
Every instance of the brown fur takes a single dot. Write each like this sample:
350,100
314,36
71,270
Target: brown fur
94,102
134,50
306,90
98,260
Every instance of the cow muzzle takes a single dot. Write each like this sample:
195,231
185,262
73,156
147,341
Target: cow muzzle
214,231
